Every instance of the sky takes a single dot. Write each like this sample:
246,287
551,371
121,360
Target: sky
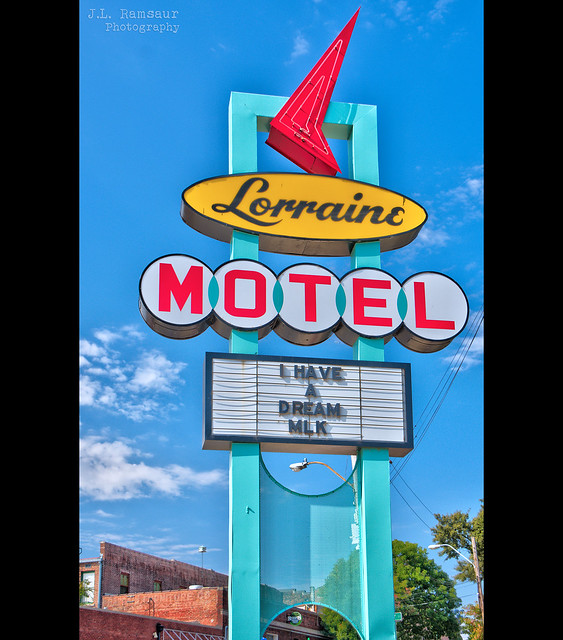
153,120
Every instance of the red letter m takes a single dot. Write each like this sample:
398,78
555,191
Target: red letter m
169,286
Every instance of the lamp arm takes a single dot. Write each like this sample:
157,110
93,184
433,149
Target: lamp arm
333,471
459,553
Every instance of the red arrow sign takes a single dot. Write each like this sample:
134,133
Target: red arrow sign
295,132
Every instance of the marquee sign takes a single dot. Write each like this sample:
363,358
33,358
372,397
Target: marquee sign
302,214
179,297
307,404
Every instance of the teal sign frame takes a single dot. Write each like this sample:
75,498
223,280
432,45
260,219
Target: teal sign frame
356,123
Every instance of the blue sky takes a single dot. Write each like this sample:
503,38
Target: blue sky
153,120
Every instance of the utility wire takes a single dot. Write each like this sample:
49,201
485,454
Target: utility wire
443,387
414,494
453,375
409,506
440,392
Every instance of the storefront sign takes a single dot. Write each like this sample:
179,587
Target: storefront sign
308,404
302,214
294,617
179,297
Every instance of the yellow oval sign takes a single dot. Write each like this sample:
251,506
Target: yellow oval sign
302,214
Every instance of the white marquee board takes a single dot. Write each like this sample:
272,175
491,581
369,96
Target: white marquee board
310,404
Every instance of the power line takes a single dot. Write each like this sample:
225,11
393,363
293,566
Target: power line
414,494
441,399
443,386
440,393
409,506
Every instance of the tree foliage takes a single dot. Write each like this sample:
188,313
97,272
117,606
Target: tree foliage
456,529
473,622
338,589
84,591
424,594
337,626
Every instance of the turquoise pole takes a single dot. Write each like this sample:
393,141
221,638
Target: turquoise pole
376,554
248,114
244,467
244,542
376,548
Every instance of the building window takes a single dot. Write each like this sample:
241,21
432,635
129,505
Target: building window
157,585
124,583
87,594
271,636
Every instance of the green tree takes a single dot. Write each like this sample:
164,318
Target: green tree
340,590
457,529
84,591
472,622
424,594
337,626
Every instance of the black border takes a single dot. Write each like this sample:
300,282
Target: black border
405,447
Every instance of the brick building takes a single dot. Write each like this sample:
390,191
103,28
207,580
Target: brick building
208,606
104,624
135,589
119,570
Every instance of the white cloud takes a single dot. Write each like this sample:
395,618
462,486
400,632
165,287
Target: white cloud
402,10
106,336
163,546
131,386
87,391
438,10
111,470
420,19
472,353
475,353
154,372
467,196
104,514
91,349
431,237
457,204
300,47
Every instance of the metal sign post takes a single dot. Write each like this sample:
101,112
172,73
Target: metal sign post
249,113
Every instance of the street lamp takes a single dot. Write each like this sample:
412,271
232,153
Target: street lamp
474,564
299,466
202,550
436,546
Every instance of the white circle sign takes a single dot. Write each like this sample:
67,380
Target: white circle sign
173,296
245,297
371,304
437,311
309,303
179,297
